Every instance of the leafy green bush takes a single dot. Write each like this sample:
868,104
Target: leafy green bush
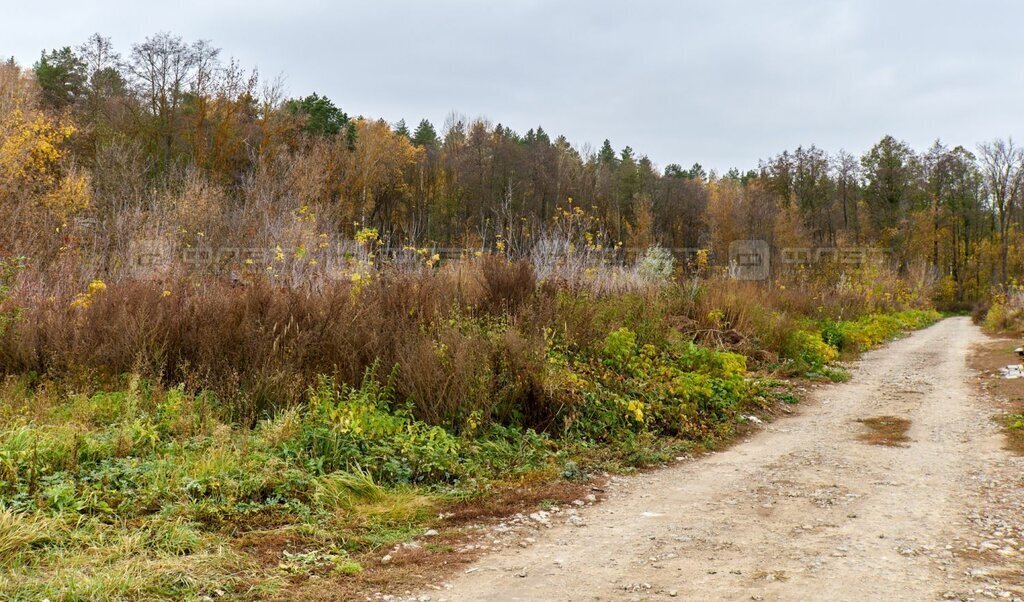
808,351
680,390
347,428
874,329
811,351
619,347
995,318
707,361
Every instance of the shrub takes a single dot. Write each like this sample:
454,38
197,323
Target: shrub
259,349
506,285
350,428
695,358
619,347
808,351
995,317
980,310
680,390
873,329
656,264
1003,317
1002,311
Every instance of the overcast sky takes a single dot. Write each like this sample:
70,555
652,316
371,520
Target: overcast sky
724,83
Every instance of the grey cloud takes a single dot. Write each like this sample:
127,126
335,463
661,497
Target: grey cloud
723,83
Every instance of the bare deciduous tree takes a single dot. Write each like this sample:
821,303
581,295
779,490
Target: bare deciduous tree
1002,165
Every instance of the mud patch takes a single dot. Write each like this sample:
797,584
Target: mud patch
1007,395
890,431
465,531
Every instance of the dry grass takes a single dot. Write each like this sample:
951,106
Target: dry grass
471,337
18,532
258,347
890,431
89,560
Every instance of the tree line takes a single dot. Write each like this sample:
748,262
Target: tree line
143,131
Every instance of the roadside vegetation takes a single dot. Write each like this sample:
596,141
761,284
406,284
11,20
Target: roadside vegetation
146,435
1002,312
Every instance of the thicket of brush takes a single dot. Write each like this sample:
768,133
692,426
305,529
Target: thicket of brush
473,338
1002,312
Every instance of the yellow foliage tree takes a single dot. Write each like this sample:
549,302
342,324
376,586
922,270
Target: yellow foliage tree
374,181
724,201
32,157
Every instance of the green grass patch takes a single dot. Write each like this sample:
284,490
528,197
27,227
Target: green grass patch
146,492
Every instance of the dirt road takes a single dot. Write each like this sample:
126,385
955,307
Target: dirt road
805,509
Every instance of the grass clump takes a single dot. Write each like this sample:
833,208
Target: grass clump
346,490
19,532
